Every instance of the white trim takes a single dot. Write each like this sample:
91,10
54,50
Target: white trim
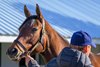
10,39
7,39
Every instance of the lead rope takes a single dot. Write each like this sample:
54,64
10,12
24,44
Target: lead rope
43,31
43,34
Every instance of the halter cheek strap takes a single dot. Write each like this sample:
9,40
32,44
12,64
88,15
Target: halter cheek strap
42,39
44,42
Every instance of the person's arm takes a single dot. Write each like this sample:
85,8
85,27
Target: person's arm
30,62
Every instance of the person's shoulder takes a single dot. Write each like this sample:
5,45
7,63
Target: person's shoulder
73,53
70,51
68,56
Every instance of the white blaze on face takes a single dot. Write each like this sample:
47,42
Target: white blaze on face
33,21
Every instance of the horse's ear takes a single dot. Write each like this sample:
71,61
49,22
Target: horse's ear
38,12
26,11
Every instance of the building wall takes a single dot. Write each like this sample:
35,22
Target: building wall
5,61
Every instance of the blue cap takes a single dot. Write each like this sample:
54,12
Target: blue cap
81,38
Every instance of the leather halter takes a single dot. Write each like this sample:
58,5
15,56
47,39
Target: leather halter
38,41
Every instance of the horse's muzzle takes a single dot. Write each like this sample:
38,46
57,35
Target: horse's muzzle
12,53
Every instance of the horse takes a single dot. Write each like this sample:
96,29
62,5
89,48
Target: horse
95,59
37,36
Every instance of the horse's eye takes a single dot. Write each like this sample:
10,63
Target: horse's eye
34,29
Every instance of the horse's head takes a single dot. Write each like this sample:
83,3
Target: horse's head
30,36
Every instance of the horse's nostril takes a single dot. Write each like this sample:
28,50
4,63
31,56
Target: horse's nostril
12,51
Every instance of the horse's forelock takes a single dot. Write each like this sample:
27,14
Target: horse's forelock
27,19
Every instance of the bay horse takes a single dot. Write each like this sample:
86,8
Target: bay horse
37,36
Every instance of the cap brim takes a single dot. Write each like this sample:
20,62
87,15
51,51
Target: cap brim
93,45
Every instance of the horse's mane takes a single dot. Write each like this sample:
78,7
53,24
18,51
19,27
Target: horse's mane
54,31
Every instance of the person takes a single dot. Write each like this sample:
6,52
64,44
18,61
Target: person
74,56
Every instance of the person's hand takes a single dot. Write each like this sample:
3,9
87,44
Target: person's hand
27,59
30,62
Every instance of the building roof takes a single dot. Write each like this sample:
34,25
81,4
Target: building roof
65,16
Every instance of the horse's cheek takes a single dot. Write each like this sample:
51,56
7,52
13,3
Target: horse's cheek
39,48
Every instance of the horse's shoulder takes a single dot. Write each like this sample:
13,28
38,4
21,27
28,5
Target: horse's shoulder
95,59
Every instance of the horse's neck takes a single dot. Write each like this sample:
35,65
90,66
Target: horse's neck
57,43
94,59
